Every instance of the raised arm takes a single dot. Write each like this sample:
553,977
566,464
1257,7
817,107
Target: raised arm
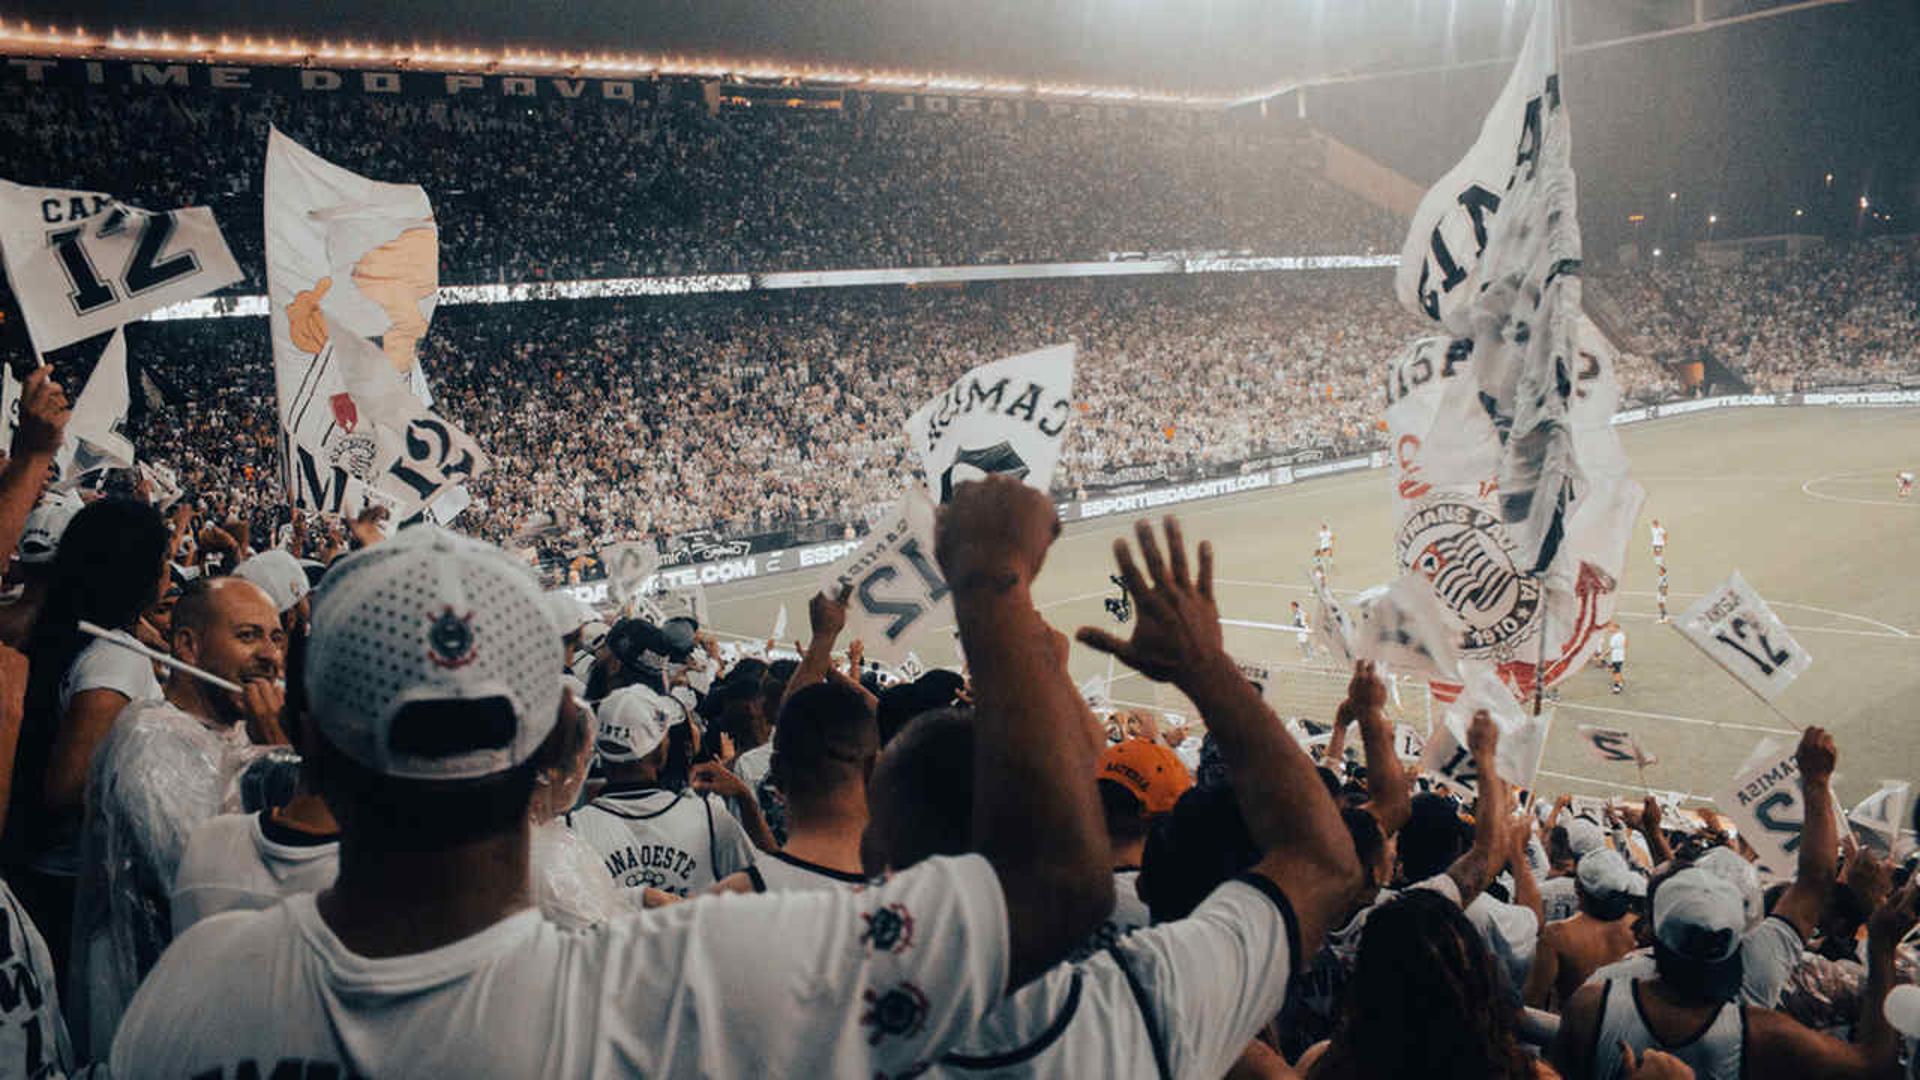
1790,1048
1657,843
43,423
1805,899
1526,891
1389,798
1473,871
1176,638
1044,835
827,615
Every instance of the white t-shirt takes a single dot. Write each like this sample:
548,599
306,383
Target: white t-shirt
674,841
232,864
101,666
1208,984
1617,647
1659,535
1326,539
1768,954
1129,914
778,871
33,1039
822,984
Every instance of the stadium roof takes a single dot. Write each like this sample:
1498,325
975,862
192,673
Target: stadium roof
1210,49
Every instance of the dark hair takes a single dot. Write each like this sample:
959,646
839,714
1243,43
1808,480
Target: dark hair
1125,814
825,740
1190,851
106,571
1433,837
936,689
1426,999
1369,840
921,792
1605,906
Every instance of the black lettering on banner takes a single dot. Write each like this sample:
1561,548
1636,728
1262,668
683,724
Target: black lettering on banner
1459,768
1767,659
904,612
1767,812
145,271
1613,745
431,446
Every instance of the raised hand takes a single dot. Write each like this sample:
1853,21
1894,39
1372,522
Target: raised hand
44,412
1176,632
994,533
306,326
827,615
1366,690
1816,755
1483,739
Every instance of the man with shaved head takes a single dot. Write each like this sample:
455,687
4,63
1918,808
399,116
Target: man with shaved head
167,766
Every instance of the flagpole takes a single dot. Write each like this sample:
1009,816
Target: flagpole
1540,663
157,657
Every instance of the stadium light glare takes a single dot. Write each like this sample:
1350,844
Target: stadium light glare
1672,195
1863,202
1713,219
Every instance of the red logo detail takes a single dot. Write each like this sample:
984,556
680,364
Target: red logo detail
345,412
450,640
1406,450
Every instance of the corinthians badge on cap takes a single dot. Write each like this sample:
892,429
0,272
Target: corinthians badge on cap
450,639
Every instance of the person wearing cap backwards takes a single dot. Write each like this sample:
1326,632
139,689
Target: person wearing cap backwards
679,842
431,690
1568,841
570,616
1602,931
1691,1008
1773,942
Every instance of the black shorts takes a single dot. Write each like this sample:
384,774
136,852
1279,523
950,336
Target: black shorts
1616,665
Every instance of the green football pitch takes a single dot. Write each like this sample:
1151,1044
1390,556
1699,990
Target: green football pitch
1800,500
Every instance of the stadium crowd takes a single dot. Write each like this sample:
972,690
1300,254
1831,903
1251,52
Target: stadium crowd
527,191
390,809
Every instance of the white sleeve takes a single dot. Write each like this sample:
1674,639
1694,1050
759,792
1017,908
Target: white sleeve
1511,932
106,667
732,851
847,982
1209,982
1768,955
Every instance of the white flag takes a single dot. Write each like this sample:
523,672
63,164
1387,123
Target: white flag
10,401
96,436
1494,256
628,565
1009,416
1766,804
351,260
82,263
1884,813
779,624
897,591
1738,631
1615,746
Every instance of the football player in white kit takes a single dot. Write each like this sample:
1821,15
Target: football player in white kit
1617,656
1658,533
1906,483
1323,546
1660,592
432,696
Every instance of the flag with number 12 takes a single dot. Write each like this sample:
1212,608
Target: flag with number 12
1738,631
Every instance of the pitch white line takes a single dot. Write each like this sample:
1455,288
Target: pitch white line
1613,785
1896,634
1807,490
1678,719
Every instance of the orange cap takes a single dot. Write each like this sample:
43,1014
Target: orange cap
1154,774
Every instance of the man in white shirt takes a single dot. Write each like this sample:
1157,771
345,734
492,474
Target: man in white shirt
432,692
249,862
1184,997
681,842
165,767
1617,657
823,752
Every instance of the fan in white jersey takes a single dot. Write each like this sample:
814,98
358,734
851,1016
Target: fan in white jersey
432,702
824,748
648,837
1183,997
1140,780
1692,1008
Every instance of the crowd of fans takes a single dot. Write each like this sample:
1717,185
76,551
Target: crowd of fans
651,418
1784,322
557,190
378,806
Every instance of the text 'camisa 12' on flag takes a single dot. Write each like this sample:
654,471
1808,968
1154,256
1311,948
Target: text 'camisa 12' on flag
82,263
1513,504
1009,416
352,279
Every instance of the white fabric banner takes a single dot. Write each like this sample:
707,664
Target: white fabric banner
1523,737
1493,255
1767,806
1738,631
96,436
898,593
1009,416
351,260
1884,813
82,263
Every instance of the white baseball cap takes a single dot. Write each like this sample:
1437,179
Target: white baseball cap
1585,838
568,612
431,617
46,525
1730,866
279,574
1903,1010
1698,921
633,720
1604,873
